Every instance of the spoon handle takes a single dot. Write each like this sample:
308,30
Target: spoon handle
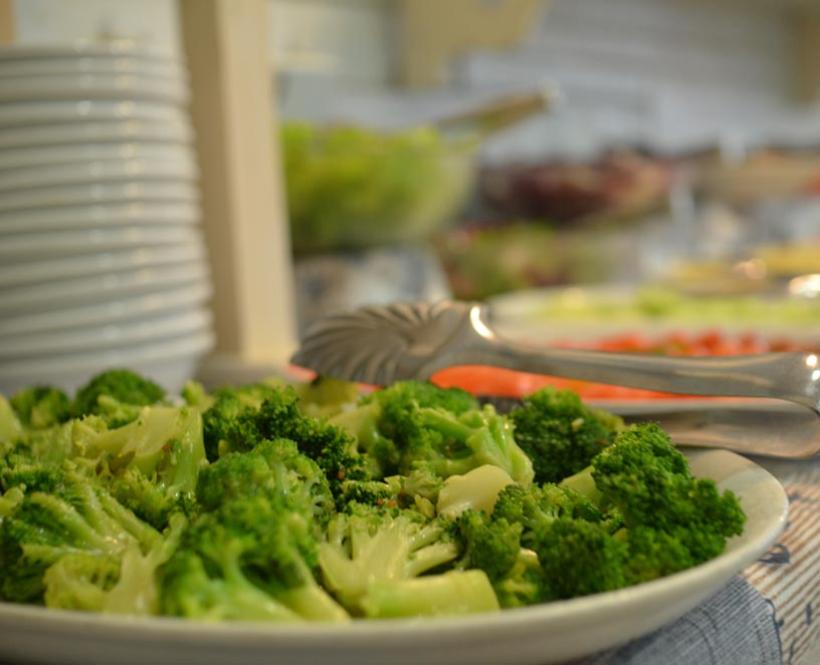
794,377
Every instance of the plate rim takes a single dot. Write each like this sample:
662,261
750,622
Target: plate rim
357,633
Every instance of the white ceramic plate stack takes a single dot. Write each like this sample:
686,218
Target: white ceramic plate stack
102,261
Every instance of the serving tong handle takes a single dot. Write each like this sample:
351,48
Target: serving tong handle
380,344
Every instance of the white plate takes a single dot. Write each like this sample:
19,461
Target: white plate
93,86
93,65
113,311
14,158
538,635
99,216
106,286
182,169
521,315
52,245
97,265
112,192
45,111
169,363
117,335
110,49
167,131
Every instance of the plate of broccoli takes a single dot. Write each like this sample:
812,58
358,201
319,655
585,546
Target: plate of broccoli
311,523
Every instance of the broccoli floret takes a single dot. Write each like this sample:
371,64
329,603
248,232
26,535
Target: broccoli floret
669,519
369,545
494,546
164,443
195,395
524,584
381,453
41,407
333,449
325,396
560,434
420,491
62,512
648,480
228,424
150,501
251,559
579,558
121,385
10,427
380,493
80,581
112,584
452,444
535,508
271,467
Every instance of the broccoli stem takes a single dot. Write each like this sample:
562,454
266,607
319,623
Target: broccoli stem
314,604
583,483
454,592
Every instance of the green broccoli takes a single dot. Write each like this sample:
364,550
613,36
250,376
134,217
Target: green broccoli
227,423
384,421
536,507
271,467
670,519
109,584
560,434
369,545
648,480
250,559
10,426
121,385
330,447
578,558
325,396
41,407
62,512
494,546
455,592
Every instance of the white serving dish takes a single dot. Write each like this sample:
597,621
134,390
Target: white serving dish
100,216
521,316
549,633
99,288
120,48
16,158
93,64
170,131
93,86
90,193
51,245
170,363
114,335
183,168
108,311
50,111
97,265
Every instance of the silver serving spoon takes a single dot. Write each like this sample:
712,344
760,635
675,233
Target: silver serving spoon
381,344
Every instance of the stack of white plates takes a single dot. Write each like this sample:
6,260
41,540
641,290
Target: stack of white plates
102,262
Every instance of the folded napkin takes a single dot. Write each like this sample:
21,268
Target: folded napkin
768,615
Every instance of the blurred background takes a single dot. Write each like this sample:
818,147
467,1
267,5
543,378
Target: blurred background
623,174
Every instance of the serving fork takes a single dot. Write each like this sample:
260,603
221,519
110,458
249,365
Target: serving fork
379,344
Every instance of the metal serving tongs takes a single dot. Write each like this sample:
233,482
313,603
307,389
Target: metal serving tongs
379,344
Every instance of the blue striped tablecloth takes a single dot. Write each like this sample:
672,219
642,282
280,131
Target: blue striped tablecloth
768,615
